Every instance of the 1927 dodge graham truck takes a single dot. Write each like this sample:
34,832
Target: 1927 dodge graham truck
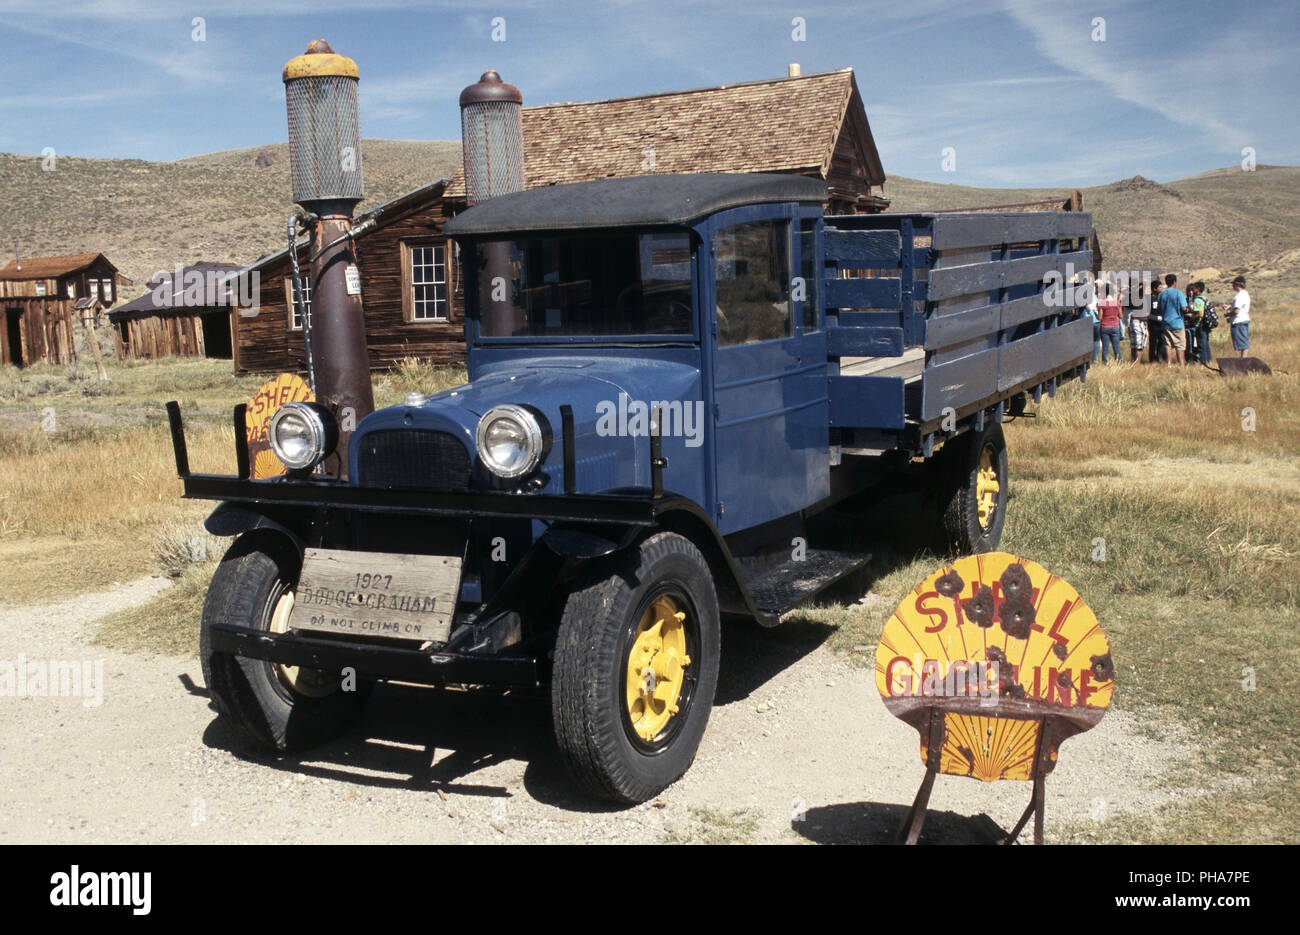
681,388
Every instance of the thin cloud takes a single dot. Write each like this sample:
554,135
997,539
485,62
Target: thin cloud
191,65
138,11
1172,83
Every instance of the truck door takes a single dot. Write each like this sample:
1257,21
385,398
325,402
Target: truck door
769,367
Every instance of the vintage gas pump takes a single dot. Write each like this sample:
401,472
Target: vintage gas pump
492,138
326,170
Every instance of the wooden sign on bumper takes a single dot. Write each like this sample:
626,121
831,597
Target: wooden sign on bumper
409,597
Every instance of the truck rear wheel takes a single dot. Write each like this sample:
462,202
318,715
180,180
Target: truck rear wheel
975,503
277,707
636,667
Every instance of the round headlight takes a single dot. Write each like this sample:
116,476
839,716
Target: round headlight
510,440
301,434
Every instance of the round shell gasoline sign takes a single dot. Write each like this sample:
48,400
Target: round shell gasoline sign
273,394
996,645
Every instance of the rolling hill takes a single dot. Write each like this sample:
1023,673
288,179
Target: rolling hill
148,216
1227,218
231,206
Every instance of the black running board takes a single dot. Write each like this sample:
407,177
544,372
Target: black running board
779,588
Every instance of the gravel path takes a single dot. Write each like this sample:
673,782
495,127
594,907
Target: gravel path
799,745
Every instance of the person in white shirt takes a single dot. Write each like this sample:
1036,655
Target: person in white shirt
1239,317
1096,320
1140,311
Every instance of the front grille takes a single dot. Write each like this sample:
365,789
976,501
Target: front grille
412,458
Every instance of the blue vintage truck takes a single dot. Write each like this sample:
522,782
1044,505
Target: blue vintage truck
681,390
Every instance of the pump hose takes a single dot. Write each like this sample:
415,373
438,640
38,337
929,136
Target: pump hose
292,229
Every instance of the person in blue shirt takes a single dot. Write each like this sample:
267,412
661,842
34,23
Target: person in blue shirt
1156,325
1172,306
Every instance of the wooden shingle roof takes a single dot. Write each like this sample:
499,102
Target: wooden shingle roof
786,125
49,267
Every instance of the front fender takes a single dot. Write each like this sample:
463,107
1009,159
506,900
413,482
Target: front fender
233,519
574,541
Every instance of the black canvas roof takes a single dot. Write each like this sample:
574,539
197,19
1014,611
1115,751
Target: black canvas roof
640,201
173,293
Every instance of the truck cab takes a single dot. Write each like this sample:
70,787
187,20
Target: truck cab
672,395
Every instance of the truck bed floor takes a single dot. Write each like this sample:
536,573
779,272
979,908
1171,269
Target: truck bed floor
909,366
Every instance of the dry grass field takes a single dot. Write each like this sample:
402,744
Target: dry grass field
90,490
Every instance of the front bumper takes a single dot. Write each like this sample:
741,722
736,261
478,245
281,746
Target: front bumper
387,663
634,508
314,497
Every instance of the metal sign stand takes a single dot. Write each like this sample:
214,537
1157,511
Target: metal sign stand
937,733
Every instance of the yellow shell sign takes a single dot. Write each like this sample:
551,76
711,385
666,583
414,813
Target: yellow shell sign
270,396
995,647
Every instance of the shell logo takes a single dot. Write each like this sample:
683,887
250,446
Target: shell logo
1002,658
270,396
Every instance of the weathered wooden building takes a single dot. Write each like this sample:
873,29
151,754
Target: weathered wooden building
186,312
812,125
406,281
39,298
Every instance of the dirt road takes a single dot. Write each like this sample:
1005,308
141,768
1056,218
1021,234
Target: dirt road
799,749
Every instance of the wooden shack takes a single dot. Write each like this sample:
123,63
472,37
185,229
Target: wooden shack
38,299
186,312
407,278
812,125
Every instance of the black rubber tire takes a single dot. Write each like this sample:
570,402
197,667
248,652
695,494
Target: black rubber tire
588,687
959,467
247,693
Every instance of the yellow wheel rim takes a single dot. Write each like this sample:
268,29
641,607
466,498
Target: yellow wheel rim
656,667
309,682
987,487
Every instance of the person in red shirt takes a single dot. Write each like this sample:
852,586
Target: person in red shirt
1110,310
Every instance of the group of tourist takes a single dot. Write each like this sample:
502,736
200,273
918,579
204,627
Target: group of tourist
1172,326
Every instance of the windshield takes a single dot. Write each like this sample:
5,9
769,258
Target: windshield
585,285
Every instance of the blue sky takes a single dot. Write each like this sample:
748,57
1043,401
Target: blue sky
1021,90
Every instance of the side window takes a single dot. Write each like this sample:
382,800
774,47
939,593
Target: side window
808,272
424,269
295,313
753,282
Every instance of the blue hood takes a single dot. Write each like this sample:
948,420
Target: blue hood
590,385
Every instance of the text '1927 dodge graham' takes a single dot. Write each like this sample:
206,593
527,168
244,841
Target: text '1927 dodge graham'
682,389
